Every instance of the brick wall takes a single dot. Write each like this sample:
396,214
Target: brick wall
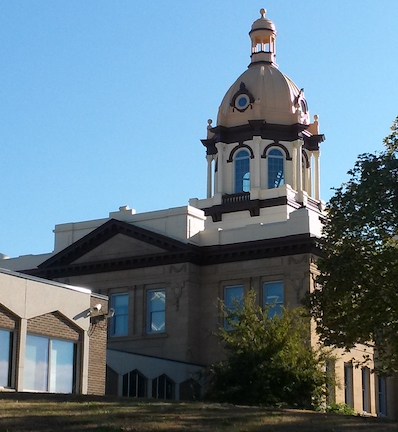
54,325
9,321
97,353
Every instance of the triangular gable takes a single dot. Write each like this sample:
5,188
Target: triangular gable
115,240
120,246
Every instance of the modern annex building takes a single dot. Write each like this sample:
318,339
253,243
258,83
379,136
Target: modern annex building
52,336
258,227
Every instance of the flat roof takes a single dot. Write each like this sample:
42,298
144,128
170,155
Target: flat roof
50,282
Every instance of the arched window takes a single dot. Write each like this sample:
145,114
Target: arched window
242,171
276,174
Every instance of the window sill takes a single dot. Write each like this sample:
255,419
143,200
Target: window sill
155,335
135,337
7,389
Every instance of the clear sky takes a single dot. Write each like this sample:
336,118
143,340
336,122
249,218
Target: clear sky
103,102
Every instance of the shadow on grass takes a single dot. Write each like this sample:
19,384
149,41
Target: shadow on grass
88,414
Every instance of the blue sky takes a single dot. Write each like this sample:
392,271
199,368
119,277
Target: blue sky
103,102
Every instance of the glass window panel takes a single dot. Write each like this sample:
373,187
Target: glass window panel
119,323
5,353
276,176
382,395
163,387
134,384
121,302
348,389
273,295
36,363
49,365
233,298
141,391
61,369
242,171
366,389
156,314
157,321
233,294
125,389
157,300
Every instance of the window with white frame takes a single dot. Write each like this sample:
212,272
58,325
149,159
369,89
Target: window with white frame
242,171
6,338
50,365
119,322
273,297
156,311
276,174
233,298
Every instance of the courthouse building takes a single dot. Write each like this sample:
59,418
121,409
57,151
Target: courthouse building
258,227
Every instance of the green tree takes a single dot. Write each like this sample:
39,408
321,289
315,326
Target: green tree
269,360
356,300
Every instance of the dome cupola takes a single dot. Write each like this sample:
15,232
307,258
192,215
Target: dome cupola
262,92
263,153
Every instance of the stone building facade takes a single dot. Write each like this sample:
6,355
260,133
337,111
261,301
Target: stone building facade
258,227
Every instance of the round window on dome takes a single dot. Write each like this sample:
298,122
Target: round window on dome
242,102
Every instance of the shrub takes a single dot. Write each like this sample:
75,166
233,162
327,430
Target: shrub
270,361
340,408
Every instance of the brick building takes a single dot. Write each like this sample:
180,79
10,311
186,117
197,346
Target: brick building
52,336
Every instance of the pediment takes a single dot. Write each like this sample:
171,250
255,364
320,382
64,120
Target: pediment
116,241
119,246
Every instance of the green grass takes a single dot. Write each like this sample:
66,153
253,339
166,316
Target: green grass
34,413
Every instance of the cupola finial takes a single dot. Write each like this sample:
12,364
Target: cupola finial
262,35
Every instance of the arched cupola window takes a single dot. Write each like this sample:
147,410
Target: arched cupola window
276,172
242,171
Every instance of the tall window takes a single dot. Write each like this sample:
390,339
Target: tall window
163,387
348,397
233,298
331,390
5,358
49,365
134,384
382,395
119,322
156,311
366,389
276,174
273,296
242,171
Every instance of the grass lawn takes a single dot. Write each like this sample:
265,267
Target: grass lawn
34,413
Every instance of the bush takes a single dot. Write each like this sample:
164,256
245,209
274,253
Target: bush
270,361
340,408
